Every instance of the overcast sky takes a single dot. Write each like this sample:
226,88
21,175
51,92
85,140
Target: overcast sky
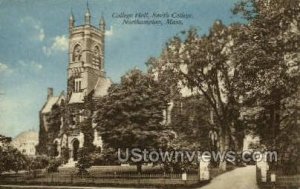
34,44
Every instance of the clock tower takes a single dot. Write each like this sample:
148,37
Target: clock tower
87,83
86,57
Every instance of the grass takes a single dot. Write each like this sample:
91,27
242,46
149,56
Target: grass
98,170
112,176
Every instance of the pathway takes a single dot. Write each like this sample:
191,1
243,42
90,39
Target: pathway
239,178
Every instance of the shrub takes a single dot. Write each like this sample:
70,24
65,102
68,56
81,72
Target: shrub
65,154
54,164
85,161
40,162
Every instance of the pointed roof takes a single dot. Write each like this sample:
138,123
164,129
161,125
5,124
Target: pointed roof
101,88
71,15
87,12
51,101
102,21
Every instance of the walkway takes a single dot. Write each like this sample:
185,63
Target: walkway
240,178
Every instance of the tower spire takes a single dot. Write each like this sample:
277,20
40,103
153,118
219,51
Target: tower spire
71,20
71,14
102,23
87,16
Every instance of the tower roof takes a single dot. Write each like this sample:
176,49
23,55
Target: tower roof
87,12
102,21
87,16
71,15
26,136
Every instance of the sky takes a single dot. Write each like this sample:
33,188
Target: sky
34,45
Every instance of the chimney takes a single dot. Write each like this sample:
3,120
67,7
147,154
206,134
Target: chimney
50,93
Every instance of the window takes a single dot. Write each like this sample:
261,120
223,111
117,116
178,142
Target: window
77,53
96,56
73,119
77,85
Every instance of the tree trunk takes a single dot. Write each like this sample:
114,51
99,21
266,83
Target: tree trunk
139,168
224,146
275,125
276,119
237,138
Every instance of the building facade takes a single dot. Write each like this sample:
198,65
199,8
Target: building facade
62,117
26,142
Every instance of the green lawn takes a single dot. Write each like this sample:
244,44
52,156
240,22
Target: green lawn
98,170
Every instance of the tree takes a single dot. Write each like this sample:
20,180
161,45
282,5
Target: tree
11,159
191,122
17,161
65,154
85,154
268,52
288,140
189,114
108,156
54,164
85,161
205,66
2,162
269,57
39,162
54,123
86,125
131,115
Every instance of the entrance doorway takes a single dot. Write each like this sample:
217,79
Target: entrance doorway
75,149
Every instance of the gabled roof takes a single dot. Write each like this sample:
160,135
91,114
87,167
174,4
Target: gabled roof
100,90
76,98
51,101
101,87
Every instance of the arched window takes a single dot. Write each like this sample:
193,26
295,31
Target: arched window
77,53
96,55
